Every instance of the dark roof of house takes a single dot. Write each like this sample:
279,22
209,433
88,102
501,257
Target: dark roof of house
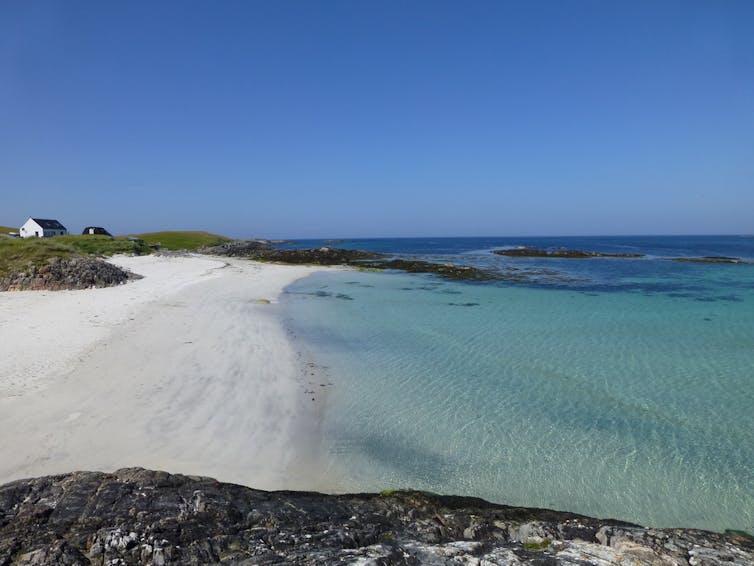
96,230
49,224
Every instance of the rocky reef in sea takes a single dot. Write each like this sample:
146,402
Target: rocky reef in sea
137,516
559,253
263,251
709,259
59,273
562,253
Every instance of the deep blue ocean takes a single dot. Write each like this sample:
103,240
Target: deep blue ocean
610,387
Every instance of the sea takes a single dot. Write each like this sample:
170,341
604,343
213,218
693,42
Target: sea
611,387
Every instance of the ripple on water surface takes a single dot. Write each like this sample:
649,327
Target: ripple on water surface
613,404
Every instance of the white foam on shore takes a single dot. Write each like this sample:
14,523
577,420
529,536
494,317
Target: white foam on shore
185,370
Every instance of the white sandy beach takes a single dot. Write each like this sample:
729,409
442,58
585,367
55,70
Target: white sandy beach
185,370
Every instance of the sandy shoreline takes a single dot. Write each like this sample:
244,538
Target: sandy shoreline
187,370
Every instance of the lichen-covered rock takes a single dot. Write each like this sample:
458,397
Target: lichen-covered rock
59,273
136,516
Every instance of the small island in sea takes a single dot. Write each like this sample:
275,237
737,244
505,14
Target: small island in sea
560,253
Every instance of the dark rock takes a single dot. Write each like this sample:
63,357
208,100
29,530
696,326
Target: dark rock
315,256
66,273
708,259
136,516
446,270
238,248
261,250
560,253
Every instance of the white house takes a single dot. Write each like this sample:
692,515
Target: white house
42,228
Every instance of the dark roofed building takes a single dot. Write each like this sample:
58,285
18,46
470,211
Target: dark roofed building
98,230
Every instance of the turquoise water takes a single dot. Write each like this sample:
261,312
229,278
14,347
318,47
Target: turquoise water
627,394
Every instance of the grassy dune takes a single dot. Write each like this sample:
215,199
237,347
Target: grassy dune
105,245
17,253
182,240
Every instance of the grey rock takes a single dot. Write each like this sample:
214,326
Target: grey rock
136,516
238,248
66,273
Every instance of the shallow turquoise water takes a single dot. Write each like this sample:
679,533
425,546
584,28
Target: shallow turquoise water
627,403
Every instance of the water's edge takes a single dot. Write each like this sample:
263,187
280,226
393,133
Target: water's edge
565,426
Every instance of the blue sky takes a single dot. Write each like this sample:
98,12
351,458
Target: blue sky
391,118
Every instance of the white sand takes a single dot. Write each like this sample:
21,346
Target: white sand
182,371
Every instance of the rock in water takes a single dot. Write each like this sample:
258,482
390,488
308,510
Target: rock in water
560,253
136,516
709,259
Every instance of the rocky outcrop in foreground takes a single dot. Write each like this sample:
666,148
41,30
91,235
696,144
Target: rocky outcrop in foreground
59,273
136,516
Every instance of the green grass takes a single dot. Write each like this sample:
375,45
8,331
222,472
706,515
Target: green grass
537,545
5,229
17,253
182,240
104,245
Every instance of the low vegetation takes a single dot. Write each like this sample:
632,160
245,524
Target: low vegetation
74,261
182,240
537,544
106,245
5,229
19,253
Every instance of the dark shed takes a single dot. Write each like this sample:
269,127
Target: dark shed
96,230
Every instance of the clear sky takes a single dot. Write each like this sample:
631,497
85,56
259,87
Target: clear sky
379,118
